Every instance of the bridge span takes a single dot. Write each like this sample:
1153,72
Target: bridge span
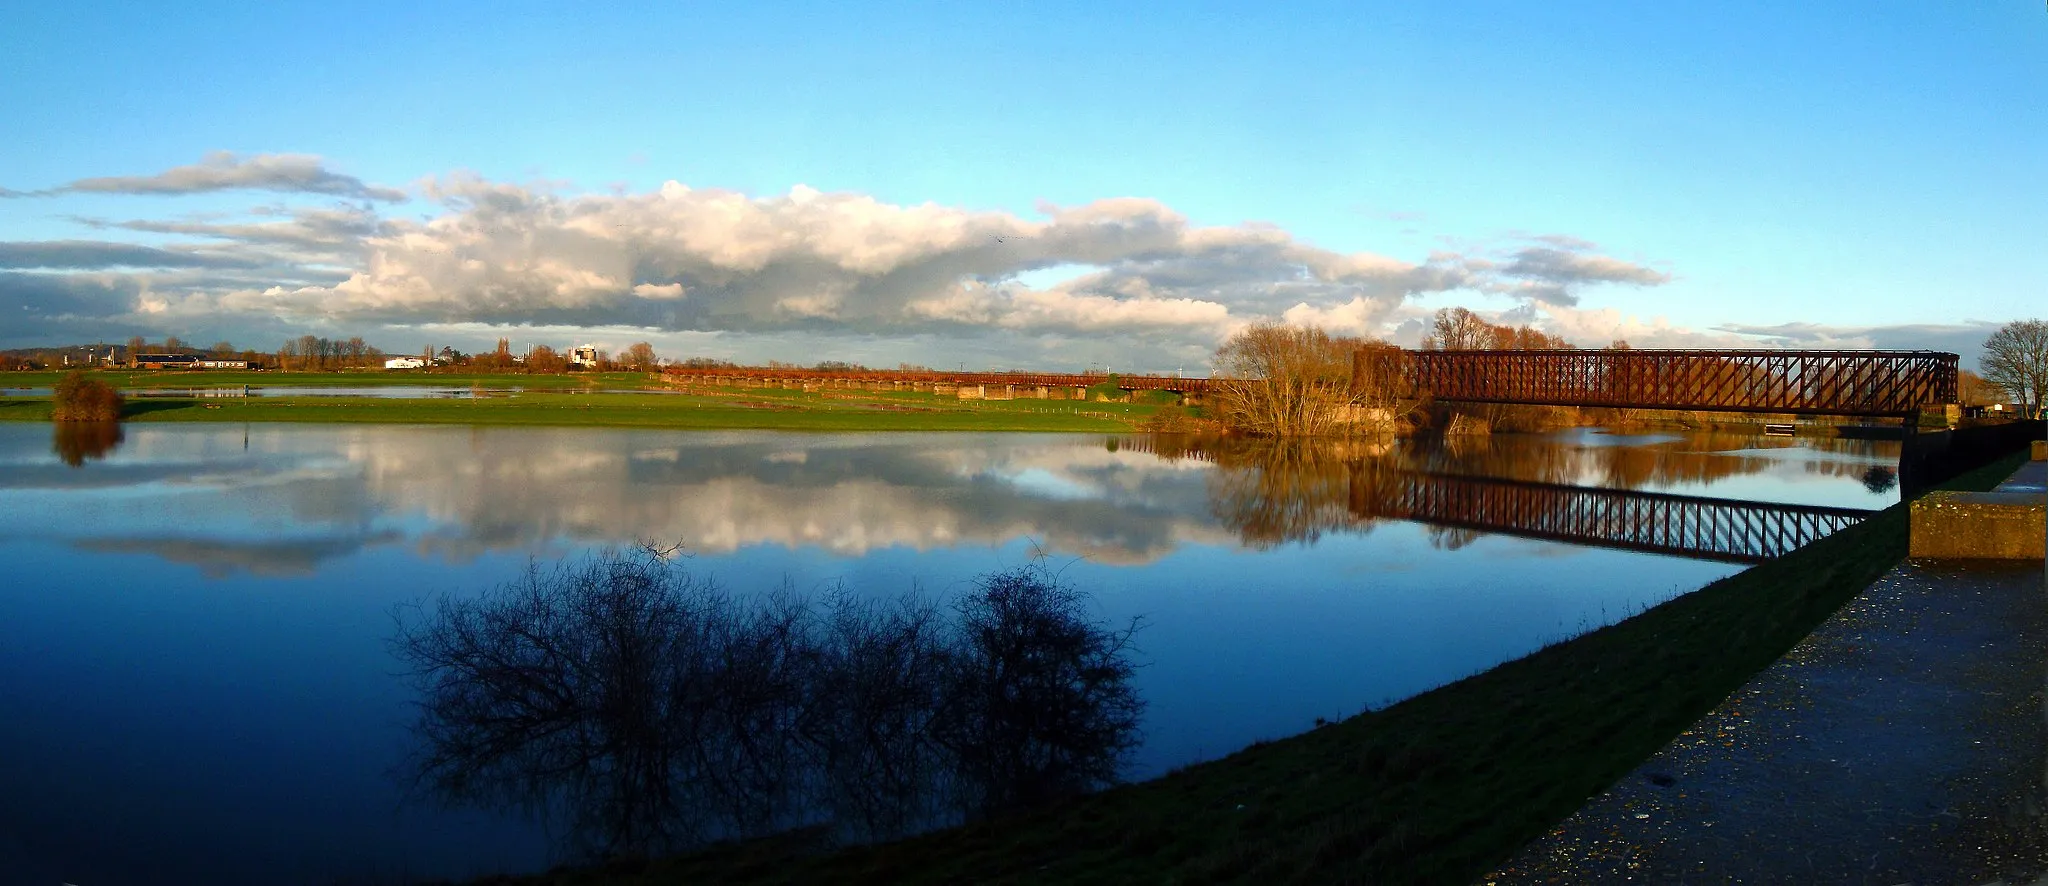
1875,383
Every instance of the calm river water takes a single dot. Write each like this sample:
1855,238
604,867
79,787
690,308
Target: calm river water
194,620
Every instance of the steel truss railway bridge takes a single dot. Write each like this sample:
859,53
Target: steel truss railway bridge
1853,383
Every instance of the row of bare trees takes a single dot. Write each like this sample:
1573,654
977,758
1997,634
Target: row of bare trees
311,353
2016,361
639,357
651,711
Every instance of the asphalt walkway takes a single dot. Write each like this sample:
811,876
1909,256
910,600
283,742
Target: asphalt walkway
1904,741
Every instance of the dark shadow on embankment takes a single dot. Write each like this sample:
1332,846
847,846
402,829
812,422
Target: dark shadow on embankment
139,407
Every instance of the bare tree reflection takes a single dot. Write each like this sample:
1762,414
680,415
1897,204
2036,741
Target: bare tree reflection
649,710
76,442
1880,479
1038,703
878,685
1275,493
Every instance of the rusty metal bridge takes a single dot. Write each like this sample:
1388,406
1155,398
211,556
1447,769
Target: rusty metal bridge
1878,383
1870,383
1699,528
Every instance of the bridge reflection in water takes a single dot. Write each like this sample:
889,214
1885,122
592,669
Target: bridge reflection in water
1660,523
1272,494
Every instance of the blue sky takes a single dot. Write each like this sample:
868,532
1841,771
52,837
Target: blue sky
1027,184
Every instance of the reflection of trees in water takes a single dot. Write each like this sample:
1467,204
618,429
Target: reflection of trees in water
651,711
77,441
1272,493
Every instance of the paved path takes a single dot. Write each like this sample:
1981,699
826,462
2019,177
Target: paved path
1903,742
2031,477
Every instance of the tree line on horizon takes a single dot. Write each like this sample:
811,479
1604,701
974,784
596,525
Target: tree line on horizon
1276,379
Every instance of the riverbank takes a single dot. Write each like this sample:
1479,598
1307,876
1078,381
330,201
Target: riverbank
768,409
1439,788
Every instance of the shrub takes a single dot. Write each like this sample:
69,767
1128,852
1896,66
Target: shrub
79,398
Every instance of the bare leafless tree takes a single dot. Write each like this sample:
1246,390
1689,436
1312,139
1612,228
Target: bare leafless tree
1283,381
1458,329
1975,390
2016,359
546,359
640,356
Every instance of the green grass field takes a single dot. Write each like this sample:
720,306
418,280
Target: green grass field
1439,788
132,379
706,408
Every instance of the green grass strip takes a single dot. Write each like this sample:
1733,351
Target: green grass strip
1439,788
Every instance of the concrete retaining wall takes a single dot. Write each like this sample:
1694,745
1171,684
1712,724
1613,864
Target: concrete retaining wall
1979,526
2007,523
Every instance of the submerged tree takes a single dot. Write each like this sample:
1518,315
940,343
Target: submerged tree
652,711
1038,705
566,691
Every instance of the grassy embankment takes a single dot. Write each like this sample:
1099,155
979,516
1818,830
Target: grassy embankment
1436,789
590,400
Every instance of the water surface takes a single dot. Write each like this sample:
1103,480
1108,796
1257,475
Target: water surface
193,634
